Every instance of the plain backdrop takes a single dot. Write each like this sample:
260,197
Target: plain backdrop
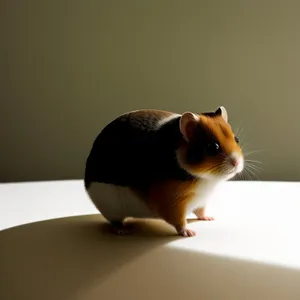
69,67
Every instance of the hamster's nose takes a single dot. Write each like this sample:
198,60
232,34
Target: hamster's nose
234,159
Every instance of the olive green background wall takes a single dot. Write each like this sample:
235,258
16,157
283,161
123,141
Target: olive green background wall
68,67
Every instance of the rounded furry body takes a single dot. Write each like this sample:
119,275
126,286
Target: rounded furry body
155,164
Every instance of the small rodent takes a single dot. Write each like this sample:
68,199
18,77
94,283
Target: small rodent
158,164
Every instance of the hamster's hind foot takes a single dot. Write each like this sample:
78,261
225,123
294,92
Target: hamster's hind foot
120,229
186,232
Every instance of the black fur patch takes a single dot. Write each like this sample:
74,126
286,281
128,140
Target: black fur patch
133,151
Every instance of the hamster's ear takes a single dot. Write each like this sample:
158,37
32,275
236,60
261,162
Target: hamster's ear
188,121
221,111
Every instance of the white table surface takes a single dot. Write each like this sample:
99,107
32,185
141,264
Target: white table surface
256,222
28,202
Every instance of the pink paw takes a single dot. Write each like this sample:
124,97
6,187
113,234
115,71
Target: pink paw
187,232
205,218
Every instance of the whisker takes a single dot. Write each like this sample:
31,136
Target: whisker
253,161
243,175
256,164
254,167
214,168
239,131
247,175
245,145
252,172
246,153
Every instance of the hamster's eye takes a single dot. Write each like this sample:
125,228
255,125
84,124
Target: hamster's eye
213,148
236,139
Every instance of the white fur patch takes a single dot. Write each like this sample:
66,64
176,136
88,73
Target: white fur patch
204,193
116,203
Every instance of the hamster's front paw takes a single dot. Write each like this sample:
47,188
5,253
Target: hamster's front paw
200,214
205,218
186,232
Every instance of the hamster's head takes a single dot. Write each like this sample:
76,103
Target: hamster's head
209,149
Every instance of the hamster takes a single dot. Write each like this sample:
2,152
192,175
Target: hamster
157,164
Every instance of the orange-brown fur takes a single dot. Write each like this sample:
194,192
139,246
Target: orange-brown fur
219,128
170,199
